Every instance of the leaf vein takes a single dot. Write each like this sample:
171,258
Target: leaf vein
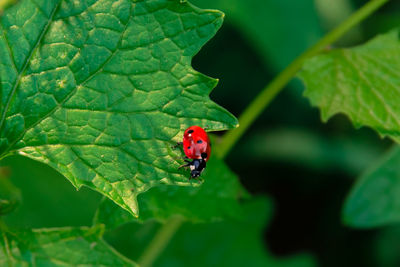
68,96
25,65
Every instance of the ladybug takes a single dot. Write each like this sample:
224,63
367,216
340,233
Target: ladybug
197,147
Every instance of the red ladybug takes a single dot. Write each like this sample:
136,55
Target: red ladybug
196,146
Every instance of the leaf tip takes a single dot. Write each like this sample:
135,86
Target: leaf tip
222,15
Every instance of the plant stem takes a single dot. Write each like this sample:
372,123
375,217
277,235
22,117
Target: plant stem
160,241
257,106
167,231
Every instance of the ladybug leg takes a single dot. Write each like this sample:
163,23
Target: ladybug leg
188,163
178,144
184,166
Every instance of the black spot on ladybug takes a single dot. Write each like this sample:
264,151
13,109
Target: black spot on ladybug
199,141
190,131
203,155
188,147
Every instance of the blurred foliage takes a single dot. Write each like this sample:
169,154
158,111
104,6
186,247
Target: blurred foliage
311,150
307,167
231,243
42,207
386,249
333,13
10,196
278,30
375,199
5,3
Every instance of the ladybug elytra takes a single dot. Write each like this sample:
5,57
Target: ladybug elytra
196,146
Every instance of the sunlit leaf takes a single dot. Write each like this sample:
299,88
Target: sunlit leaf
98,89
59,247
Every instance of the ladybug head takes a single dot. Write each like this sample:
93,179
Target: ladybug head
197,166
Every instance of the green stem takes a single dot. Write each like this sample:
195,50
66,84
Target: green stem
167,231
159,242
271,90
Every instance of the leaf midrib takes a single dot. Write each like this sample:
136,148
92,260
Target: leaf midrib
26,63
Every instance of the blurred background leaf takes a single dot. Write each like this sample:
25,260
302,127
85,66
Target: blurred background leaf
385,248
279,30
309,149
227,243
42,207
375,198
10,195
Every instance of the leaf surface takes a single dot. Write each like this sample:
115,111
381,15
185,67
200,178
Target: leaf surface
375,198
216,199
98,89
59,247
361,82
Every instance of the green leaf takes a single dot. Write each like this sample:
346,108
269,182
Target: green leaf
361,82
217,198
375,198
59,247
98,89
